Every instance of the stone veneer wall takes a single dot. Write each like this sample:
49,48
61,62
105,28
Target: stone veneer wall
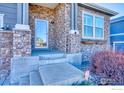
59,24
59,27
62,26
21,42
74,44
44,13
88,49
5,52
13,43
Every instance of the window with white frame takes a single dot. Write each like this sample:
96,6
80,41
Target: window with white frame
1,20
88,25
93,26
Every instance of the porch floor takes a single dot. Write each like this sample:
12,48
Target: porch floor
41,52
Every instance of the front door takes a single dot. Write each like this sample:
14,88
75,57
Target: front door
41,33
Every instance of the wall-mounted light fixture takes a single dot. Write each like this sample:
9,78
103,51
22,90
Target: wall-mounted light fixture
52,22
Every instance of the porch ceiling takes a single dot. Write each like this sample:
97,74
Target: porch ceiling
49,5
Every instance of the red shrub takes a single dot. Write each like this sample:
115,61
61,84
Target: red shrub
109,65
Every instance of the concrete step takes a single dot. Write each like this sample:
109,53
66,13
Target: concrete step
52,56
35,78
60,74
33,67
21,66
24,80
52,61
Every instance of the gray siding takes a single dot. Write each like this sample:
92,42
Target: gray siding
10,13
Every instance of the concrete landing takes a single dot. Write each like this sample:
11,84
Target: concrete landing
60,74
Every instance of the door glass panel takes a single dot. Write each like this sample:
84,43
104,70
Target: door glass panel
41,34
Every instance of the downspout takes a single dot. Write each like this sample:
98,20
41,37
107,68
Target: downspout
74,11
71,26
72,16
75,16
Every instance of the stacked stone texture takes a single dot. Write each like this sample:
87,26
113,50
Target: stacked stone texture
16,42
59,27
43,13
62,26
89,49
74,44
5,52
59,24
21,43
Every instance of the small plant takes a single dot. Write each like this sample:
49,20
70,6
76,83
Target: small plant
110,65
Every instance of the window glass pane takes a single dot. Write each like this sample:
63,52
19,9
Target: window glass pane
99,22
88,31
40,34
98,32
88,19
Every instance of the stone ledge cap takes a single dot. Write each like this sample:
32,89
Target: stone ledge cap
5,31
22,27
74,32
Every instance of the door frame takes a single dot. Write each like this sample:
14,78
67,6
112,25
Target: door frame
47,33
116,42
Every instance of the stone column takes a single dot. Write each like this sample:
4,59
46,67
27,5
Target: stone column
73,39
75,15
5,53
73,43
72,16
74,12
21,41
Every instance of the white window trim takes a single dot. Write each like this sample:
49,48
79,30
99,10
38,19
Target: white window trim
94,15
116,42
2,20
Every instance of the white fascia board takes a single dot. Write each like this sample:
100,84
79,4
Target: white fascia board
119,34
